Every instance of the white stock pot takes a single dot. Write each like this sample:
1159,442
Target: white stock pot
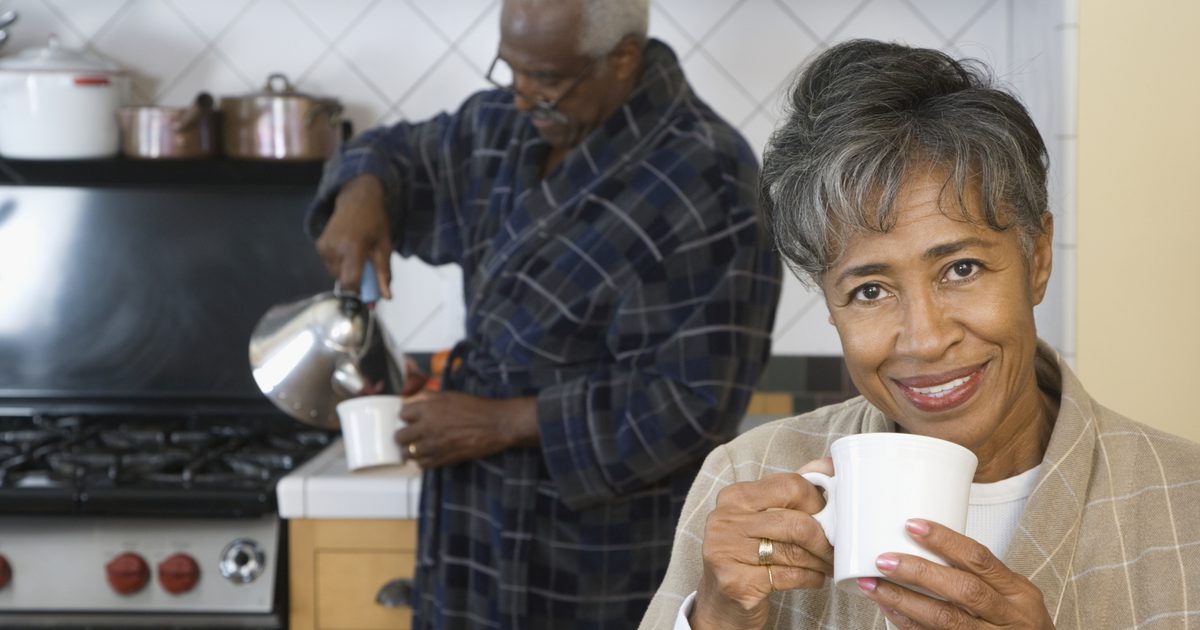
59,104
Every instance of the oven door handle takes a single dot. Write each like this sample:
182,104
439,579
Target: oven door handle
395,594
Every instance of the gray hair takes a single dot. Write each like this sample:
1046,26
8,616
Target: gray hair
864,117
607,22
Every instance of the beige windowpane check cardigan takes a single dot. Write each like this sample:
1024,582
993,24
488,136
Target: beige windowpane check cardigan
1111,533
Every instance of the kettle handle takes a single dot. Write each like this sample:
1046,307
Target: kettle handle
368,291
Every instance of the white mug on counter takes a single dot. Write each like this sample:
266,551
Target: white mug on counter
880,481
369,424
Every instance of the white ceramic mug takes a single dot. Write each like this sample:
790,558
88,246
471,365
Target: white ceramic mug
369,424
880,481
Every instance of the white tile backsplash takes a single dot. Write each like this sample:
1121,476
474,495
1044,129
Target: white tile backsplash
210,18
697,18
802,326
395,48
776,36
271,37
951,18
86,18
891,20
389,60
331,19
150,36
454,18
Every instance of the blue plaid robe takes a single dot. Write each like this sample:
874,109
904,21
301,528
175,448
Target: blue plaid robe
631,291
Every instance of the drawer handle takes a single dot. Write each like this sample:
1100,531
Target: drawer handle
395,594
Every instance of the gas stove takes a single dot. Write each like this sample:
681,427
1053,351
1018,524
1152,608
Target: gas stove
113,520
138,459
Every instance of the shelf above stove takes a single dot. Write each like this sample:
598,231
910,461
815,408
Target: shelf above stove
126,173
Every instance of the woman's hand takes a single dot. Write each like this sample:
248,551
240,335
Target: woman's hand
978,589
733,592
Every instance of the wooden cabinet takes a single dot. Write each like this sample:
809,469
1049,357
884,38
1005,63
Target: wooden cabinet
337,568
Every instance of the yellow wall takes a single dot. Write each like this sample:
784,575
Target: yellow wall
1138,345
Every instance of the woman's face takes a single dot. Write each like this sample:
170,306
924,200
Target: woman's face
936,321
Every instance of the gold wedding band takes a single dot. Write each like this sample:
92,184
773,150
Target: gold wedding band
766,552
412,449
771,578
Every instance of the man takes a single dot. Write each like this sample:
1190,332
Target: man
619,302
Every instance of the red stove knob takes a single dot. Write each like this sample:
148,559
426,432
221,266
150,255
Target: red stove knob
178,574
5,572
128,573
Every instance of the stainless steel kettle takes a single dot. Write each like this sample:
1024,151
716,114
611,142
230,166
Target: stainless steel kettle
309,355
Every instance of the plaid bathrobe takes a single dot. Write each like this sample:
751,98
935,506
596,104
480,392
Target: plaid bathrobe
630,290
1110,534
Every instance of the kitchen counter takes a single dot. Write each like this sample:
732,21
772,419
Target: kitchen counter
323,488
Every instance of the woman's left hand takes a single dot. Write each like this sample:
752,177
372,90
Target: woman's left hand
978,589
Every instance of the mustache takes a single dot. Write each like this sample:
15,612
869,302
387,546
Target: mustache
547,115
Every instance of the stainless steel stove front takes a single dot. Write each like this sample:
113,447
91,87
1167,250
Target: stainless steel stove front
95,564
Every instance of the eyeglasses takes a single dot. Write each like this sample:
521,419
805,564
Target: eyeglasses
546,109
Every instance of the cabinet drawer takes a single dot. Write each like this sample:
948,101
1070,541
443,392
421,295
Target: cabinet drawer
347,582
363,534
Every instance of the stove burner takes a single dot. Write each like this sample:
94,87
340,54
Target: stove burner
160,466
126,438
300,440
78,465
38,479
27,438
259,465
193,439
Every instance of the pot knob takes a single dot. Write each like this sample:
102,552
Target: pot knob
5,572
128,573
178,574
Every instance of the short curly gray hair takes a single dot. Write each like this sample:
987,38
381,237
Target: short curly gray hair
864,117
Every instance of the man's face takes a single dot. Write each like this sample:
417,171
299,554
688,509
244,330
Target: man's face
936,319
538,42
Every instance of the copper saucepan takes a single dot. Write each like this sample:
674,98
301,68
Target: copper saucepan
280,123
154,132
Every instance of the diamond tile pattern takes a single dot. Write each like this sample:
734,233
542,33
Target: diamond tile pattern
389,60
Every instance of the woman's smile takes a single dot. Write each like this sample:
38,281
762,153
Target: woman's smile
941,392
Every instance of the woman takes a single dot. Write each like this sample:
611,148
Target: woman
913,194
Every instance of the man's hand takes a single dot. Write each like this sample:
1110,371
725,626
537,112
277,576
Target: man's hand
358,231
977,590
451,427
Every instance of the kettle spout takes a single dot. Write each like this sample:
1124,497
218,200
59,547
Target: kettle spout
348,381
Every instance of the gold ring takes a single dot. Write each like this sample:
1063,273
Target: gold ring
766,551
412,449
771,578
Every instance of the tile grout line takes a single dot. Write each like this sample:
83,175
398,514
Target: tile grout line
331,47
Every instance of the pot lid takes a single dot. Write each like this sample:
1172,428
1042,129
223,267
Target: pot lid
54,57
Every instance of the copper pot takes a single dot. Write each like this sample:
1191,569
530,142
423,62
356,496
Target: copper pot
280,123
152,132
